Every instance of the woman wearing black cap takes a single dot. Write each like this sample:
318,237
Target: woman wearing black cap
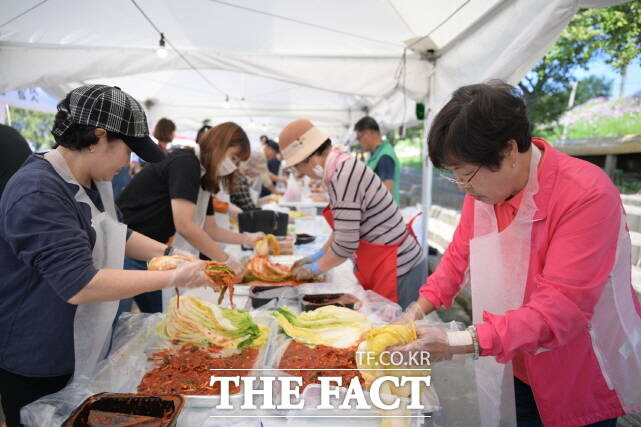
62,248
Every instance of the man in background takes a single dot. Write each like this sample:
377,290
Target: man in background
15,151
271,151
383,158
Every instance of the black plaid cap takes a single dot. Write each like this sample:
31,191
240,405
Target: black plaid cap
109,108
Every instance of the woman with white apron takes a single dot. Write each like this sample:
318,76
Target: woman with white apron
63,248
171,201
367,225
543,241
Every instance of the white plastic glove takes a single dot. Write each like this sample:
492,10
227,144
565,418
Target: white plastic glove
238,268
441,344
412,313
389,312
252,238
430,339
190,275
182,253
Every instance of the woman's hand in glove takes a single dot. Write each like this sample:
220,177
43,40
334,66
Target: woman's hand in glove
431,340
412,313
441,344
184,254
309,259
252,238
239,270
306,272
190,275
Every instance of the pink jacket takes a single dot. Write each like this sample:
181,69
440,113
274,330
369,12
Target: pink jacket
574,241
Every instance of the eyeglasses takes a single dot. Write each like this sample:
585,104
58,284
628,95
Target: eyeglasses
463,184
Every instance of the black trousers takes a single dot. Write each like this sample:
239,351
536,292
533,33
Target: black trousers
527,414
17,391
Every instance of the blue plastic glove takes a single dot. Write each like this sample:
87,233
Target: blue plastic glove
309,259
313,267
306,272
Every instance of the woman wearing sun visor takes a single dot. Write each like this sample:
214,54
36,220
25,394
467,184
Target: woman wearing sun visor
367,224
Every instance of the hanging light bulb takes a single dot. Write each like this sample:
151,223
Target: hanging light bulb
162,51
264,127
252,125
227,105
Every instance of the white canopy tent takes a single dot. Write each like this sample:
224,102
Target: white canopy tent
262,63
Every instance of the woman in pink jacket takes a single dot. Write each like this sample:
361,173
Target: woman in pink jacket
543,241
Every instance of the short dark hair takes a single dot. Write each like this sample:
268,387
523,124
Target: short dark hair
201,132
476,125
367,123
273,145
77,137
164,129
320,150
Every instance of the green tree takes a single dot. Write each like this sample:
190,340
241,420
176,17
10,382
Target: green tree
35,126
592,87
613,34
546,106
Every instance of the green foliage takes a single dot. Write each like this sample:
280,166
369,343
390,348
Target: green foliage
35,126
613,34
600,117
592,87
628,183
409,148
629,124
546,108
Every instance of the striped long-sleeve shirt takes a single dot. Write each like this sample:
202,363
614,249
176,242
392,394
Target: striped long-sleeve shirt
363,209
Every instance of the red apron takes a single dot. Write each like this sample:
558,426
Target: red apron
376,263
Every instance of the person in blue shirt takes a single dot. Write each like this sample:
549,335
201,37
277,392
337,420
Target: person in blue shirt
272,152
62,247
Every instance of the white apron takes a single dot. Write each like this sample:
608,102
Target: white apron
92,322
498,272
615,329
222,219
180,242
254,189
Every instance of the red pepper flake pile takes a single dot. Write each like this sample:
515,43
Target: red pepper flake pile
188,370
326,361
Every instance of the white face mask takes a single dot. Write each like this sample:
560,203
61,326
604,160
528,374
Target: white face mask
318,171
226,167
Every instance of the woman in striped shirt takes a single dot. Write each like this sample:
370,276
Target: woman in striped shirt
368,226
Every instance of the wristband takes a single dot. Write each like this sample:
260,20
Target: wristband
460,339
168,250
475,340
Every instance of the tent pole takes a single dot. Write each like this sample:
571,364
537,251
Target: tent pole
426,187
7,113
